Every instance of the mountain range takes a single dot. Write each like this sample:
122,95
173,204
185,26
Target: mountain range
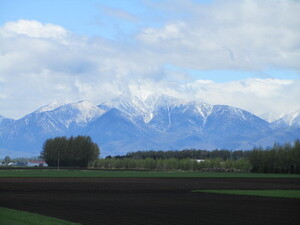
154,122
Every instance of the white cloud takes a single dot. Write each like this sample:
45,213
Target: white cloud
246,34
259,96
168,32
255,95
37,68
45,62
35,29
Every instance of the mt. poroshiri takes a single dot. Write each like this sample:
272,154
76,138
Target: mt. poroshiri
155,122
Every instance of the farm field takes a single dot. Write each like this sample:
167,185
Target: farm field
264,193
136,200
75,173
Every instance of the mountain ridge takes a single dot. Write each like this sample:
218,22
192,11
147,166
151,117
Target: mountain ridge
291,119
154,122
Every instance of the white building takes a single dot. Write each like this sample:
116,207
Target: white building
37,164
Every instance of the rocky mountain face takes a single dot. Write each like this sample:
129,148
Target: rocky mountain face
155,122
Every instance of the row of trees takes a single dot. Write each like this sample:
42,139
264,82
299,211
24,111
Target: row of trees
70,152
185,154
170,164
80,151
279,159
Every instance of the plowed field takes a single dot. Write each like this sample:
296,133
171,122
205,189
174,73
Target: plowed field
105,201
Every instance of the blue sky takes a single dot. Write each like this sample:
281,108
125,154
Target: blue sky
241,53
91,17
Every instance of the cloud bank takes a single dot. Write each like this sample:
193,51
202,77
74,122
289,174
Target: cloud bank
40,62
246,35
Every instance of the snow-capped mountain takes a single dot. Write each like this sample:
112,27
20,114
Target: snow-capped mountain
29,132
58,119
76,114
289,120
271,116
51,106
138,108
157,122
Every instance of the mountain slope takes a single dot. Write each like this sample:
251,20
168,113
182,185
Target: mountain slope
287,128
181,124
28,133
289,120
157,122
116,133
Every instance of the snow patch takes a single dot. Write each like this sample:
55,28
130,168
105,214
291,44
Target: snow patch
51,106
291,119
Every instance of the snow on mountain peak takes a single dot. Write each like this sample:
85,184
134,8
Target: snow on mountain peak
80,112
147,122
291,119
233,112
83,106
135,107
145,107
204,109
51,106
162,100
68,112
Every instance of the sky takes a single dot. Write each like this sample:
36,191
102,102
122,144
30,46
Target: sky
242,53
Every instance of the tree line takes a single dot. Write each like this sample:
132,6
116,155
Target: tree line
216,164
283,158
185,154
80,151
278,159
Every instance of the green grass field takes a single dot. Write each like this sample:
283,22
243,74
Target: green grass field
63,173
14,217
264,193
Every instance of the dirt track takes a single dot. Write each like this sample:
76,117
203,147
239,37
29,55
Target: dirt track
105,201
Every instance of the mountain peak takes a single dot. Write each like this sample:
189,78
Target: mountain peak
66,113
82,105
51,106
291,119
144,107
80,112
146,122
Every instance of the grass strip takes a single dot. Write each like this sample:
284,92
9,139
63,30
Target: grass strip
15,217
135,174
64,173
263,193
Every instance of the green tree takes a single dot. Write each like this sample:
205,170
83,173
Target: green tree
7,160
70,152
278,159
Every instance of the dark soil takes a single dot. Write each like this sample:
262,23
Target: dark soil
105,201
